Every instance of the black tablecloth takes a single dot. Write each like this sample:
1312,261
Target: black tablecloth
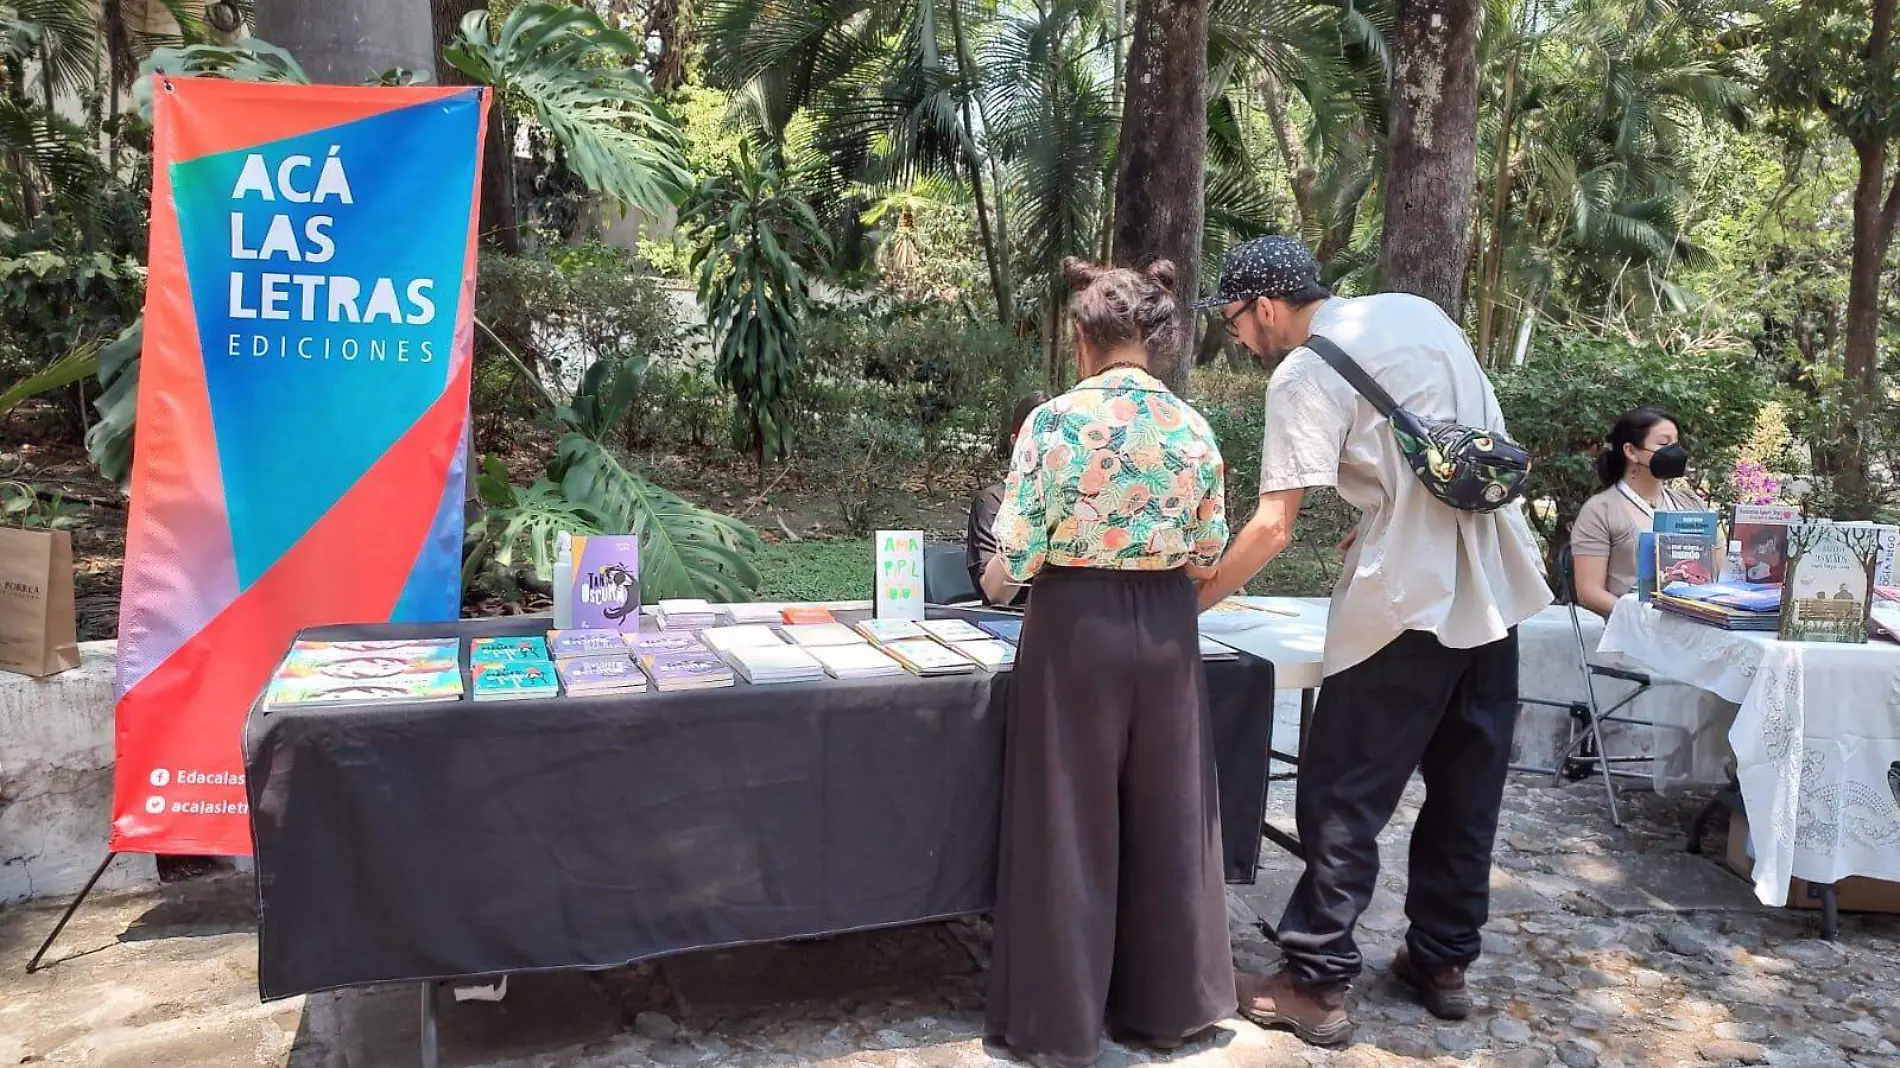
435,841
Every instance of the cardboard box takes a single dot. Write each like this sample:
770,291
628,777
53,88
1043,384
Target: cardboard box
1855,894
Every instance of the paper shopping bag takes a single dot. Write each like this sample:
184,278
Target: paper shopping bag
37,629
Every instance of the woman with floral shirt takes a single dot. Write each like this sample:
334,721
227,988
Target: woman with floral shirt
1110,876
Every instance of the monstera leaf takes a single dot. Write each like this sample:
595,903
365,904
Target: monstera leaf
685,550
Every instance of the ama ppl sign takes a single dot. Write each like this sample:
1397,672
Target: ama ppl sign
303,397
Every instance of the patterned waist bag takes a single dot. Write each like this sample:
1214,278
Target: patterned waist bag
1470,469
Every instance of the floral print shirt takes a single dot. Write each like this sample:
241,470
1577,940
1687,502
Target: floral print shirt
1119,474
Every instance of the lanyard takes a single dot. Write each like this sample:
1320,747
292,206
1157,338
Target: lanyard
1636,499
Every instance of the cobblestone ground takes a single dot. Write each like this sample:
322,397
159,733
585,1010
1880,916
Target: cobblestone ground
1607,948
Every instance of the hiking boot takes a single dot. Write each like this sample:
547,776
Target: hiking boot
1443,993
1316,1014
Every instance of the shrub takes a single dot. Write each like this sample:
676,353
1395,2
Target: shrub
863,460
1562,402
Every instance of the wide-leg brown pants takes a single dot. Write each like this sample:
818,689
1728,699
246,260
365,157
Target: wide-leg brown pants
1110,907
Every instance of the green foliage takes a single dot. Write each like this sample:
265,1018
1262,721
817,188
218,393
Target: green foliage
25,505
109,441
681,407
1563,401
252,61
573,72
519,522
75,366
831,569
1821,65
753,236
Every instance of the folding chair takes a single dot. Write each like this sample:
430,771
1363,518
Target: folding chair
1584,752
947,578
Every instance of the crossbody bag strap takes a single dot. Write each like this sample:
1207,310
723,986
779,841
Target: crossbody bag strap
1354,374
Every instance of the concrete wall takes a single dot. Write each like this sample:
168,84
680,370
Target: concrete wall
56,782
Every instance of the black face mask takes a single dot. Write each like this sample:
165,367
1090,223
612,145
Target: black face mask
1670,461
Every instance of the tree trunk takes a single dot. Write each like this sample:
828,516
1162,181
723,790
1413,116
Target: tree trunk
966,72
668,21
348,42
1161,159
1431,150
500,224
1300,174
1491,266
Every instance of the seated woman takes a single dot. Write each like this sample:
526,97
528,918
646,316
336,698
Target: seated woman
1638,467
1109,905
979,540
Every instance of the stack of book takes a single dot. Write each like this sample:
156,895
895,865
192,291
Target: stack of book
927,657
686,671
952,631
512,669
1680,547
1739,606
576,644
764,665
648,644
349,674
798,614
594,676
723,640
686,614
990,654
819,635
736,614
857,661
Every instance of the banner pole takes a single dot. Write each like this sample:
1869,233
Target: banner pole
34,964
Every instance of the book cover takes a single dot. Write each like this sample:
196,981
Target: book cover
310,652
800,614
1758,543
1685,558
812,635
743,636
291,691
605,587
1009,630
600,673
861,661
1741,596
1645,566
1829,591
507,650
1702,523
499,680
573,644
991,654
926,657
1889,538
899,582
688,670
667,643
364,667
885,631
952,630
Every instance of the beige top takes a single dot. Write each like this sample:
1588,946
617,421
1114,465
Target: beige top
1609,525
1418,563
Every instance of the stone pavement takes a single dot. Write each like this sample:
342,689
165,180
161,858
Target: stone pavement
1606,949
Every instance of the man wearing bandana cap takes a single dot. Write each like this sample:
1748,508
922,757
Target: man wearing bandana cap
1421,643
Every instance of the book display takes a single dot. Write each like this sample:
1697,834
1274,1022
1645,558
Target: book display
507,650
800,614
928,658
686,614
734,614
860,661
1758,543
1736,606
342,674
952,631
899,581
723,640
597,676
814,635
886,631
990,654
763,665
575,644
603,587
514,680
703,670
1829,591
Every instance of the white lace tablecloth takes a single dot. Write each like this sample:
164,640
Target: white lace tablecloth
1818,729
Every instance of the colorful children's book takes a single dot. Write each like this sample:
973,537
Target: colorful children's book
606,582
574,644
322,689
1829,591
309,652
922,656
899,583
507,650
364,667
952,630
1685,558
514,680
990,654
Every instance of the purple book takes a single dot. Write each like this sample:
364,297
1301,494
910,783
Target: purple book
688,671
606,592
665,643
601,673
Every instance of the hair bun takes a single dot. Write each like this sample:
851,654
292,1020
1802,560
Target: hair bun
1079,273
1161,272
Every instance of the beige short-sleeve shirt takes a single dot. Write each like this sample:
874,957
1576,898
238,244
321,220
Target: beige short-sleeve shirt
1608,526
1417,563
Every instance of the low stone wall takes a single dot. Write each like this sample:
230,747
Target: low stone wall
56,782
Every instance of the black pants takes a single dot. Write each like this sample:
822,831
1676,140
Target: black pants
1414,704
1110,905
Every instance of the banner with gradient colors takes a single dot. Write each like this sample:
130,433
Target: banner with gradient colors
303,399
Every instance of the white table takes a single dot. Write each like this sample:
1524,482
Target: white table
1818,732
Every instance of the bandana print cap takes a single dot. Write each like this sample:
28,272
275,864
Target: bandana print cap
1276,268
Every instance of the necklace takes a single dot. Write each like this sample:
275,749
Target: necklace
1122,365
1636,499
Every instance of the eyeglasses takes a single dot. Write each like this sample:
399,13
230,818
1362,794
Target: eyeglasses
1228,322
